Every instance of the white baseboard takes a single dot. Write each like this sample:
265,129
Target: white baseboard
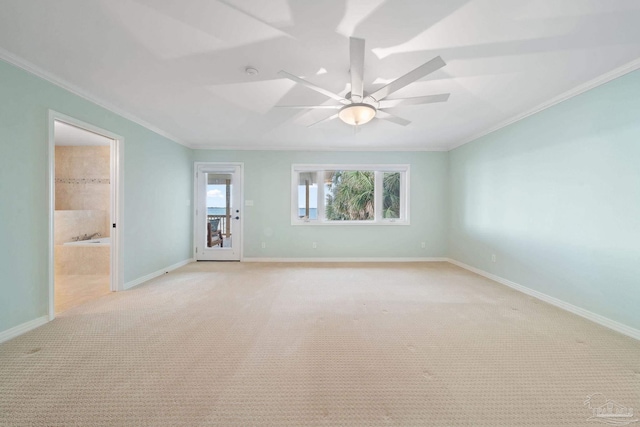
596,318
23,328
390,259
155,274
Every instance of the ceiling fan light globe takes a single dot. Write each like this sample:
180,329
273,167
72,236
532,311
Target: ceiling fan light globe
357,114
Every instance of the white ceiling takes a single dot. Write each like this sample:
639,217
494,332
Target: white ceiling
66,134
179,66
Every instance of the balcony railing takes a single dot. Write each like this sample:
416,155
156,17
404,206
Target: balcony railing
222,225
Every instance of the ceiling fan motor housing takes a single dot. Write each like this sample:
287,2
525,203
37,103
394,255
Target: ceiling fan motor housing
357,113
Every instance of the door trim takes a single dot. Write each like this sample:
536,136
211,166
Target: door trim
197,165
117,199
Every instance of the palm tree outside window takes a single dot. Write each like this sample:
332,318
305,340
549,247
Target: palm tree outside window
349,195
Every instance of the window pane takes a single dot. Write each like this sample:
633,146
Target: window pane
307,195
219,208
349,195
391,195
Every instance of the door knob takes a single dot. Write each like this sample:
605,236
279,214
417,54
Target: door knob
237,217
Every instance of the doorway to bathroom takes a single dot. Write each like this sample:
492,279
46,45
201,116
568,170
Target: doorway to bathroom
84,210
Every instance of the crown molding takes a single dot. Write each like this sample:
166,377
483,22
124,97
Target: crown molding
581,88
313,148
52,78
27,66
45,75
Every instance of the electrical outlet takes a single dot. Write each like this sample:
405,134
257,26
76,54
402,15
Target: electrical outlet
264,245
493,257
314,245
423,245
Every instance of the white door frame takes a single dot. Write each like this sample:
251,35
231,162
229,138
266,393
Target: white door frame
196,166
117,198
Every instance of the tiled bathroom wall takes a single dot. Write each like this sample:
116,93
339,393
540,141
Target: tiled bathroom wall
82,191
71,224
82,178
82,260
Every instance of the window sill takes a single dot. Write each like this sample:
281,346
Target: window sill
346,223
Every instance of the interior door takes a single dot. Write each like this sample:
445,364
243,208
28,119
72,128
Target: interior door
218,212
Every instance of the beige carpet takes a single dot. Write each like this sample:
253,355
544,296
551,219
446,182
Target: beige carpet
316,345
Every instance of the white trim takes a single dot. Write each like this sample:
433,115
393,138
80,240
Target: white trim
323,148
51,78
356,223
51,189
146,278
378,168
218,166
596,318
116,167
405,192
382,167
23,328
242,211
117,214
378,183
347,259
194,222
581,88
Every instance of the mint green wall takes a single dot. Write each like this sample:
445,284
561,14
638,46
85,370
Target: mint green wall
268,183
556,197
158,183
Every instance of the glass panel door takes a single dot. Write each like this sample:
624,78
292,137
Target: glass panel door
218,213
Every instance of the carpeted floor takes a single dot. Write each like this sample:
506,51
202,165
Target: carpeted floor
316,345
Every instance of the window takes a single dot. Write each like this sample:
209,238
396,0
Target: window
350,194
391,195
307,195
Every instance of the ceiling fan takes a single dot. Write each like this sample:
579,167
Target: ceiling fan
359,107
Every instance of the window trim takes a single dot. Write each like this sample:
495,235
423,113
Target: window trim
378,169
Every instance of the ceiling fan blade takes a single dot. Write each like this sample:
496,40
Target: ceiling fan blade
391,118
312,107
313,87
423,70
418,100
326,119
356,50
